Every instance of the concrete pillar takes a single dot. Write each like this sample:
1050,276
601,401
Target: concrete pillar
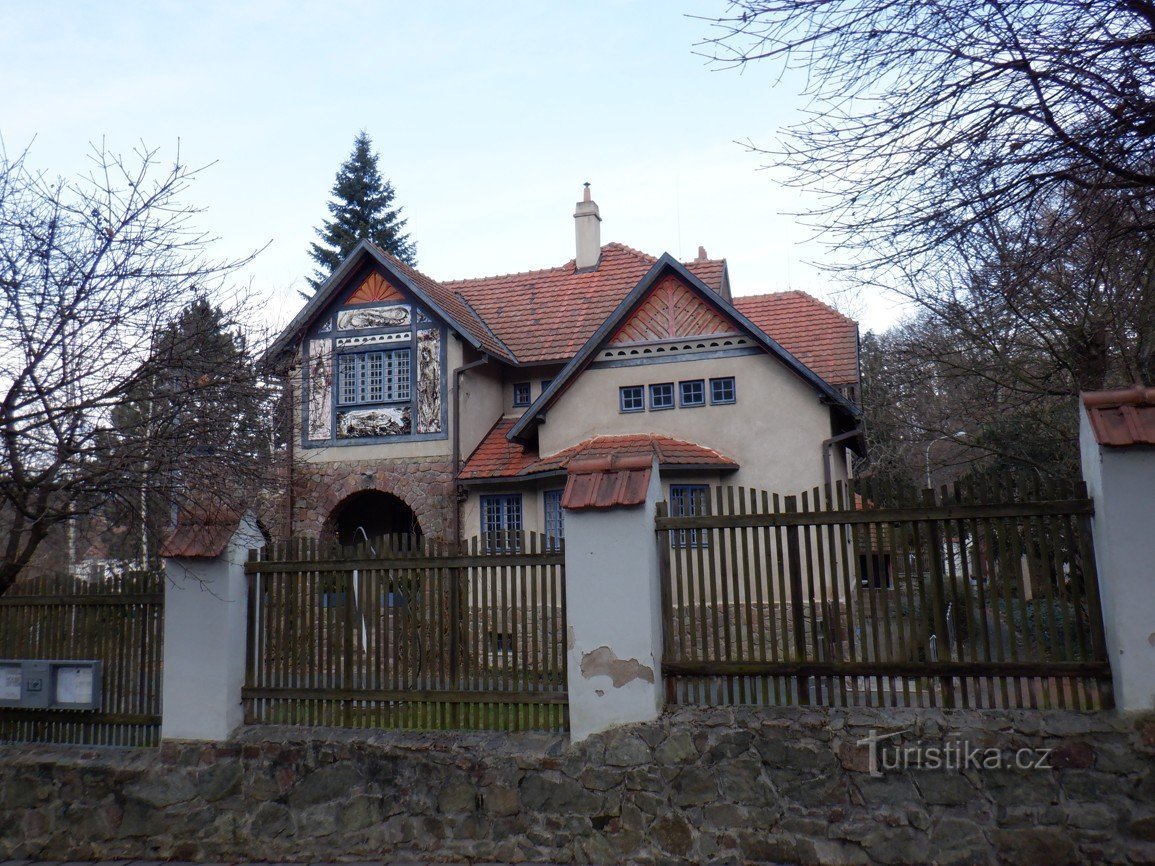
1121,481
205,629
614,609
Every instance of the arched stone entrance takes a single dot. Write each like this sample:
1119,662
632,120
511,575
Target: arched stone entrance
374,511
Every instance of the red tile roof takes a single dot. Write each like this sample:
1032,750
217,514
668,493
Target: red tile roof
548,315
201,532
497,457
607,482
816,334
1122,418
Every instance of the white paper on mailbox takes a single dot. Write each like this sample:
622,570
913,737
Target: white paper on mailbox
74,685
11,679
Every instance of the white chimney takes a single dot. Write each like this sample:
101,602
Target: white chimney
588,230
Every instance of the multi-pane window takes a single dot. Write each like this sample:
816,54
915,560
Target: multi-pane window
692,392
687,500
521,394
554,519
662,396
632,398
501,522
722,390
374,377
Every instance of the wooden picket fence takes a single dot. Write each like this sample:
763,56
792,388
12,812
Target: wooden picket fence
860,594
118,620
402,632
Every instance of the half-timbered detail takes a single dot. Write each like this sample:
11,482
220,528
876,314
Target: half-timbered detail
671,310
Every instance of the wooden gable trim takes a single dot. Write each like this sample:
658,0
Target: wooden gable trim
374,289
671,310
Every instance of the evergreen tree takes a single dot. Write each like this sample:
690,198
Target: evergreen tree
362,209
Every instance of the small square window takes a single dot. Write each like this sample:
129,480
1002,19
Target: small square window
722,390
521,394
692,392
662,396
632,398
545,383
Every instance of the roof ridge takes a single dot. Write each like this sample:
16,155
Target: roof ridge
506,276
804,294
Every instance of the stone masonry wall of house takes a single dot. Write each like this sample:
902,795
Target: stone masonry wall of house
425,484
704,785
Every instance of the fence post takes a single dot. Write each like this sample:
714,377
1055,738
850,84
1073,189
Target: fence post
205,628
1116,432
613,594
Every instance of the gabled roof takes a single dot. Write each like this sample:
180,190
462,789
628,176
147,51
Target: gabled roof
816,334
497,457
547,315
1122,418
666,264
442,302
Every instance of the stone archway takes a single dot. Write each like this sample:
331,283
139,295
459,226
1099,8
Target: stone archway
374,511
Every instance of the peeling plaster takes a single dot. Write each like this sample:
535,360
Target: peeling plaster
603,662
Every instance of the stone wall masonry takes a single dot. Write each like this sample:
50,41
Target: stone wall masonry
698,785
425,485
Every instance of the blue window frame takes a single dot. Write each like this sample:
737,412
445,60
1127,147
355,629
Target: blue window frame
722,390
687,500
501,522
374,377
545,383
692,392
554,519
632,398
662,396
521,394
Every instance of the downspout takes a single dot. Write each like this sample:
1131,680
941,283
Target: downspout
827,446
484,359
291,402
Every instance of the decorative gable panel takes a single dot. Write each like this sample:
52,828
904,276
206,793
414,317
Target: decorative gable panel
671,310
374,289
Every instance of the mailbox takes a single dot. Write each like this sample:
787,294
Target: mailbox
51,684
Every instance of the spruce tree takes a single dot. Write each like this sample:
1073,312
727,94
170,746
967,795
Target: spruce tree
362,209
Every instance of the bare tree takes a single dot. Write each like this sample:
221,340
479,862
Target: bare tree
99,393
927,118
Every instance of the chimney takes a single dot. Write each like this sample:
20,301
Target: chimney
588,230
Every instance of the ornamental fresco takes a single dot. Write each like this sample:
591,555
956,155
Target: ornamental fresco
319,389
374,317
386,421
429,381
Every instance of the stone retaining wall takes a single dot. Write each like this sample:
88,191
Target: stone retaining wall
706,785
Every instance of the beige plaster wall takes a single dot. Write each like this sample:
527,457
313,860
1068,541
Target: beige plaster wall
481,402
774,430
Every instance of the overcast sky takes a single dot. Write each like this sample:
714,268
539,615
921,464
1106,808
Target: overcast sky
487,118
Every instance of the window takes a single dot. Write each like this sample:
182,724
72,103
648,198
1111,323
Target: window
687,500
374,377
554,519
722,390
501,522
632,398
521,394
692,393
545,383
662,396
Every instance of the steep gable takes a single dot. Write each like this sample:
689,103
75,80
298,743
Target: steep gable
670,310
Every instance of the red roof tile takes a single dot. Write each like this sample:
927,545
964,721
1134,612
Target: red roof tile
497,457
1122,418
816,334
607,482
201,532
548,315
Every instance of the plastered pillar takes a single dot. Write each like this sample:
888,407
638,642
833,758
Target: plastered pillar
205,629
613,607
1121,481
